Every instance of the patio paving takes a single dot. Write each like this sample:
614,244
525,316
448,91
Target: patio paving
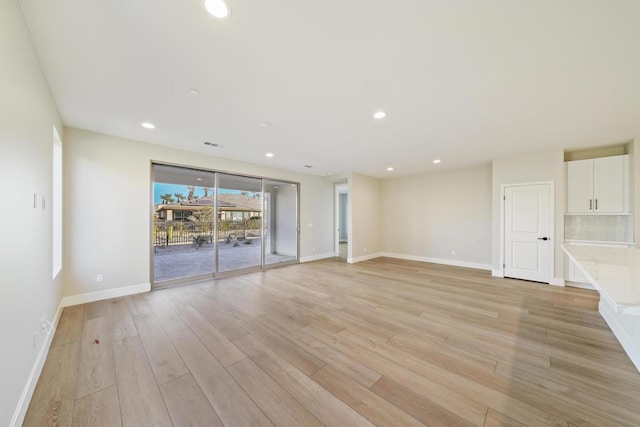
174,262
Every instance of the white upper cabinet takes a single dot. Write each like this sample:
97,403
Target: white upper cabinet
580,186
598,186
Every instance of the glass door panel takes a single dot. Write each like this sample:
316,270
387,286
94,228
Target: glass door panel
183,214
239,222
281,222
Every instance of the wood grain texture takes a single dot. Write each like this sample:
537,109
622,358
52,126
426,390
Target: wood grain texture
187,405
140,399
120,320
98,409
170,321
95,309
325,406
496,419
69,326
230,402
374,408
270,397
386,342
296,355
52,401
163,357
218,344
96,370
415,405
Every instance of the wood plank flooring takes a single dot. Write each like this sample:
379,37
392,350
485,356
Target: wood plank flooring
383,342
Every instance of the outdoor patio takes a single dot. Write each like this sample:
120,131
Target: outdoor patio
178,261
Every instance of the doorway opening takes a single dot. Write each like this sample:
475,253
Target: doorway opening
342,221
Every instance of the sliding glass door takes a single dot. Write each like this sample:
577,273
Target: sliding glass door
208,223
183,215
281,221
239,222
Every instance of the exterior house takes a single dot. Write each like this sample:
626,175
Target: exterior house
232,207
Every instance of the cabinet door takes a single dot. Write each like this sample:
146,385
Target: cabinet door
580,186
609,184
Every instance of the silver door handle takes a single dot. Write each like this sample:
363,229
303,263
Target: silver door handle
590,204
543,238
596,204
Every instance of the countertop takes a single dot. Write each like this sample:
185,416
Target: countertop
613,271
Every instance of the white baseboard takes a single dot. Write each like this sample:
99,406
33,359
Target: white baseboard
106,294
580,285
497,273
557,281
444,261
364,257
631,347
317,257
34,375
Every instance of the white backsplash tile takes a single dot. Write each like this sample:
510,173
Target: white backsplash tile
605,228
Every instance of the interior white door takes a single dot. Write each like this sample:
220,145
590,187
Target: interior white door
527,232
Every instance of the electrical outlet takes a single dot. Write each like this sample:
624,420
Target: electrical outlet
453,252
365,250
314,249
99,277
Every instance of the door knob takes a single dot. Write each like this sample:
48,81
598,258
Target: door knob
543,238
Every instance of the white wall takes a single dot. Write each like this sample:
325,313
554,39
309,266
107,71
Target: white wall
107,207
433,214
365,219
531,167
27,291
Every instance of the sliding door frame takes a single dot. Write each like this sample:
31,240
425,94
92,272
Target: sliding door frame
216,274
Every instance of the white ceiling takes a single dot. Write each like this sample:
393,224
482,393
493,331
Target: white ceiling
461,80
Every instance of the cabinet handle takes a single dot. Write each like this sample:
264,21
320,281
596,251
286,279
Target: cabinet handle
596,204
590,204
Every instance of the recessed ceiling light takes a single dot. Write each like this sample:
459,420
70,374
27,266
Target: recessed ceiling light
269,154
264,124
389,169
198,179
436,161
218,8
194,91
148,125
379,115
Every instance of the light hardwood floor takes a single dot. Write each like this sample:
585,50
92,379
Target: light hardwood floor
383,342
